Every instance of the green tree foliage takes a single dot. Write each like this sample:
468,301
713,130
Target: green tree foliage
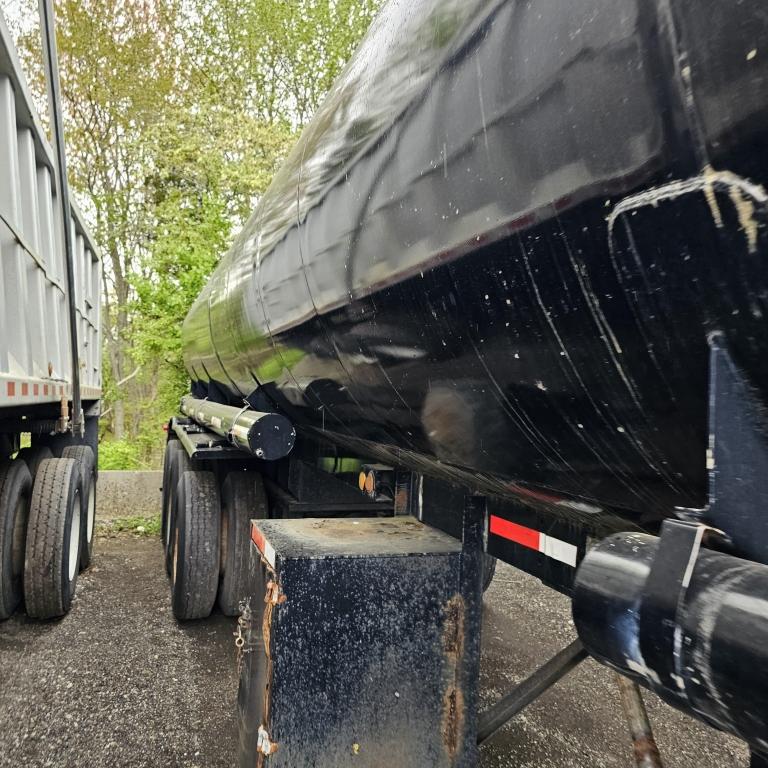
177,116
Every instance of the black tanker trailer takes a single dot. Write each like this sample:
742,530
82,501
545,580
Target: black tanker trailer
515,268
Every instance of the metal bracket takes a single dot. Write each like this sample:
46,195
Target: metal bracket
664,596
737,457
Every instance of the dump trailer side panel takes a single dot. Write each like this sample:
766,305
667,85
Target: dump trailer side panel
35,361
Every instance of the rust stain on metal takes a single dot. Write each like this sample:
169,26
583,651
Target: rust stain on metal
401,500
274,595
453,628
643,744
273,598
453,699
453,720
646,752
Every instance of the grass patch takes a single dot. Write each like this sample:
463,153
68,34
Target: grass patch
141,526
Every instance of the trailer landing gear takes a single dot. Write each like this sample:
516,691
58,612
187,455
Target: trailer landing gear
529,690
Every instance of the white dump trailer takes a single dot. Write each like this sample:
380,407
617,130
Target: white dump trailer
49,395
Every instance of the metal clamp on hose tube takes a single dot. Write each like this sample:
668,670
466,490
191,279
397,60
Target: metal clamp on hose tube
664,596
688,622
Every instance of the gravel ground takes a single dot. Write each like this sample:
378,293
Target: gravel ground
119,683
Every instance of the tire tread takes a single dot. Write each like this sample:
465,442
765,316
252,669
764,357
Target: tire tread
197,575
44,592
11,473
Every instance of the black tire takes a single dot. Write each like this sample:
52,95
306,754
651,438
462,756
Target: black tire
33,456
171,448
196,546
84,455
243,499
181,463
489,569
15,492
51,566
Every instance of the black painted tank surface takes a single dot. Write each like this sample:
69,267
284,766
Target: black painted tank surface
497,252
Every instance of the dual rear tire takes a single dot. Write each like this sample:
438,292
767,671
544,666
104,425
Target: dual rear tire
15,492
206,534
53,544
83,455
47,513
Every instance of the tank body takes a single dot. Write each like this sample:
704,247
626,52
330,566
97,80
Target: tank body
499,249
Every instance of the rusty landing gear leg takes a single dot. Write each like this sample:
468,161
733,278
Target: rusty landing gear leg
468,670
643,744
529,690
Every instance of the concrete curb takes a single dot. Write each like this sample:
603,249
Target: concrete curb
128,494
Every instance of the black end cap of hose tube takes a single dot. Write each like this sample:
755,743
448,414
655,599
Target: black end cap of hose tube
271,437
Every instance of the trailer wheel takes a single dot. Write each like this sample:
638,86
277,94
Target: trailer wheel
242,498
33,456
83,454
171,449
53,539
196,546
15,490
180,464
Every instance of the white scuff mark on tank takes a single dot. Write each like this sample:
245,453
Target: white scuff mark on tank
708,182
598,316
445,161
745,210
482,104
641,669
709,605
711,197
581,506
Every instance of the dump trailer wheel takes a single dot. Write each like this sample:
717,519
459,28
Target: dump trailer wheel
243,498
196,546
84,455
15,491
33,456
181,463
53,539
171,448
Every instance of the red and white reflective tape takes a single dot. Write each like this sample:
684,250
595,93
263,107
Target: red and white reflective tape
15,391
266,549
557,549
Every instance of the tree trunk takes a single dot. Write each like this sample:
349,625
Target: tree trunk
118,419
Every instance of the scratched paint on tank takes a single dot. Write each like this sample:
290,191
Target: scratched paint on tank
459,265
